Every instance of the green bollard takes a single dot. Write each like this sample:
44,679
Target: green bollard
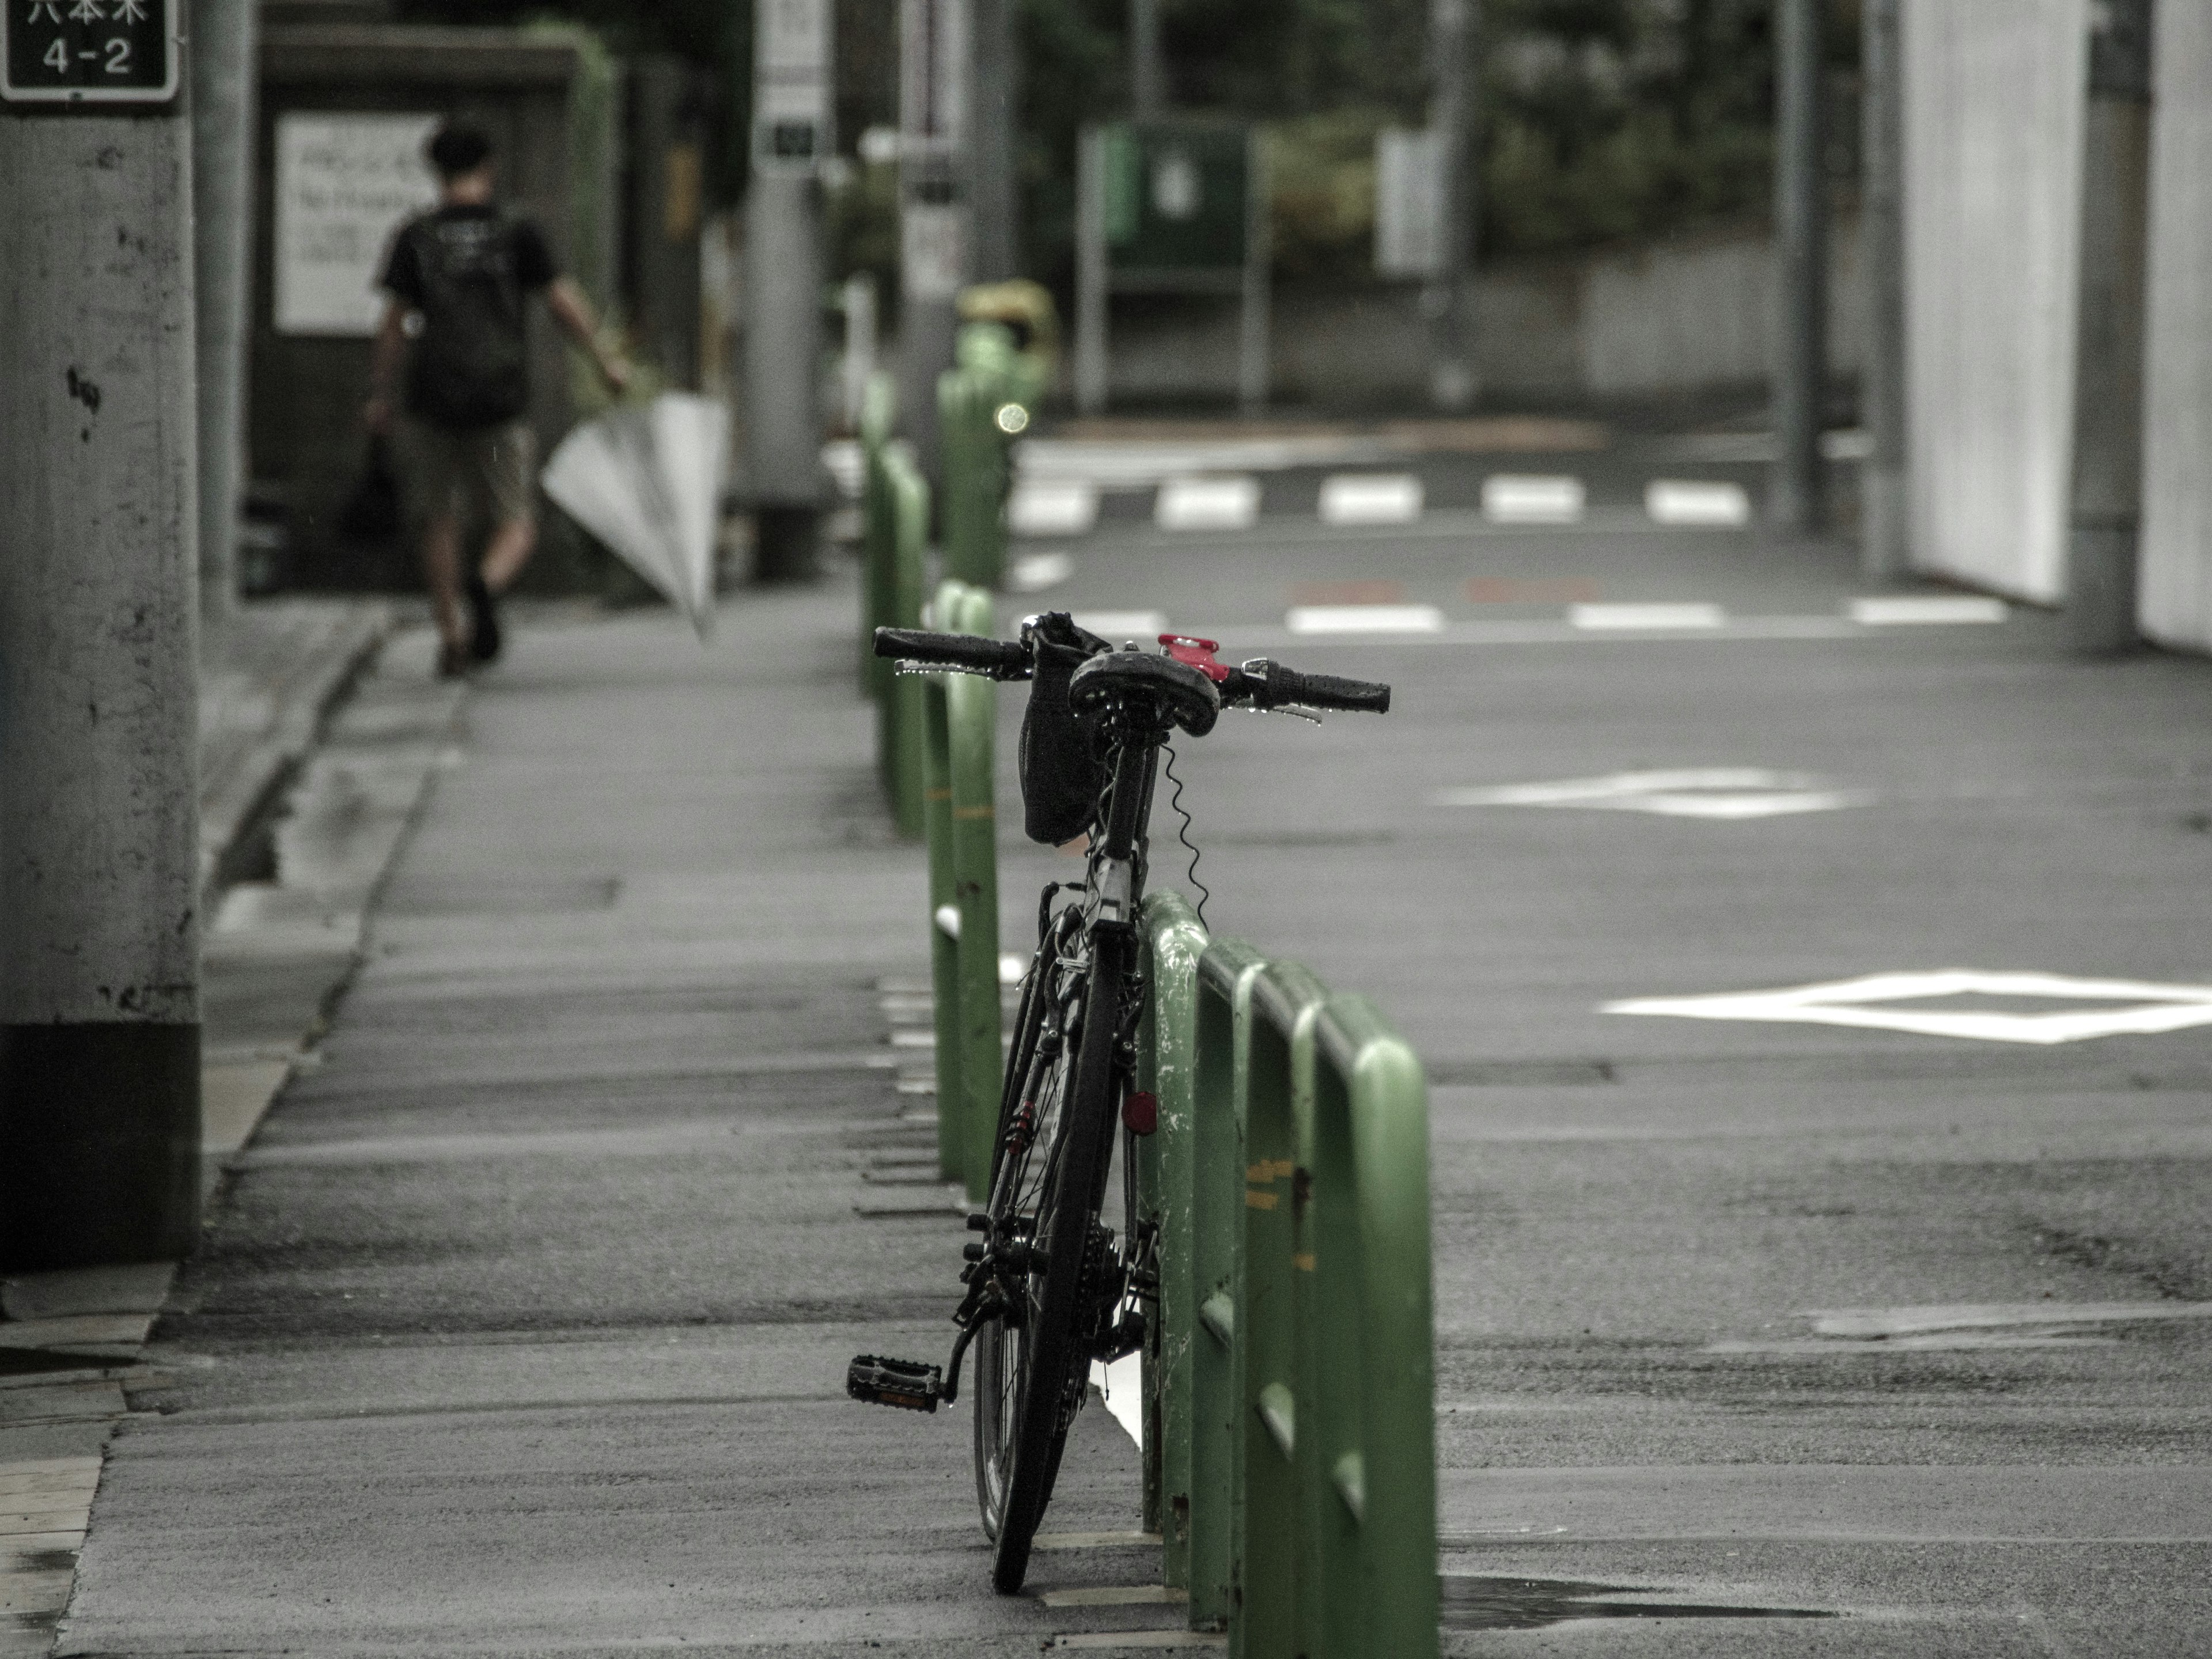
900,713
1270,1565
962,814
1226,975
878,535
1167,1060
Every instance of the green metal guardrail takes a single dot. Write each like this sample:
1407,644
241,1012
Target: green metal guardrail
879,532
981,404
960,811
895,539
1294,1372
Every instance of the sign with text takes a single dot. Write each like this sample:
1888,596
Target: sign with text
344,183
88,51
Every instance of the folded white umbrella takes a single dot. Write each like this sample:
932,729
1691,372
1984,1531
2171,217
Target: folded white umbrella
646,480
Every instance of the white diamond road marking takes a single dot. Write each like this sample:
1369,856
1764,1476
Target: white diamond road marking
1522,498
1938,610
1365,619
1035,572
1698,503
1357,498
1733,792
1145,625
1232,503
1627,617
2154,1008
1053,506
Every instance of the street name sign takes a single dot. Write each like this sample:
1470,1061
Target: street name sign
61,52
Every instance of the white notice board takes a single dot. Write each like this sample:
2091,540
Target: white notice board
343,184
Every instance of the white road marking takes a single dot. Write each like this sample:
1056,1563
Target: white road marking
1992,1316
1052,506
1522,498
1365,619
1618,617
1702,503
1142,625
1115,1640
1120,1385
1923,610
1208,503
1718,793
1033,573
1371,498
1091,1541
2153,1008
1113,1596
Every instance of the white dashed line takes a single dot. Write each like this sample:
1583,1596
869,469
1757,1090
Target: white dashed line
1144,625
1361,498
1911,609
1519,498
1365,619
1035,572
1697,503
1618,617
1218,503
1053,506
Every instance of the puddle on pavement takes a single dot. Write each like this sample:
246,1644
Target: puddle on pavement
1472,1603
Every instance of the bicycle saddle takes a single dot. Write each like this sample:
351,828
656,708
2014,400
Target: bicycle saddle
1177,693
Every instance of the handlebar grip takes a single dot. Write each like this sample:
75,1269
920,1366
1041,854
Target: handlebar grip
1282,685
1002,659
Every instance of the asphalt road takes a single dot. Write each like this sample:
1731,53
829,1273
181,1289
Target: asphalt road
522,1326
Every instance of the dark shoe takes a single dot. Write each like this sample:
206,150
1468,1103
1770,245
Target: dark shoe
454,662
484,640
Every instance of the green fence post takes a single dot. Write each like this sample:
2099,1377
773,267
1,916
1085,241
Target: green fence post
971,721
1167,1056
1264,1620
1370,1327
901,714
944,920
879,536
1226,974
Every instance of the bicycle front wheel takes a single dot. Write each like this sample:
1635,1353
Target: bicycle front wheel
1032,1366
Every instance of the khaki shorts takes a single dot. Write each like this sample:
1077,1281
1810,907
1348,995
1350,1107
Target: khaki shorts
481,476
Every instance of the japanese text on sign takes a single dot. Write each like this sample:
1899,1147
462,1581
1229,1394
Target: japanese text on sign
76,52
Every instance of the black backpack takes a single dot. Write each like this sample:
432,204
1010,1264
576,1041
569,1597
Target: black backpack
471,364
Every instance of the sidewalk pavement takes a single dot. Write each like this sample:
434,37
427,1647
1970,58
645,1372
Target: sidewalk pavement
522,1322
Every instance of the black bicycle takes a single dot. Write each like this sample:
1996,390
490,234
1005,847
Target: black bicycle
1049,1288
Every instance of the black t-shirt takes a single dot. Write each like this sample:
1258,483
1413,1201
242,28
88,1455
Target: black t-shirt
466,270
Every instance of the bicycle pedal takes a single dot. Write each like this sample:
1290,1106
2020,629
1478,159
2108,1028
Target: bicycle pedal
906,1383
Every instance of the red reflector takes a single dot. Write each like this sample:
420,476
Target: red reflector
1141,1112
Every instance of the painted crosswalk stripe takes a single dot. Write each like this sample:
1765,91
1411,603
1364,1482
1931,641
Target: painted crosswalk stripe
1701,503
1350,498
1618,617
1365,619
1208,503
1033,573
1523,498
1145,625
1923,610
1053,506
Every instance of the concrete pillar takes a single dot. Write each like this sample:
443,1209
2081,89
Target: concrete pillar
2104,508
783,286
936,58
1800,222
99,1016
1451,118
997,193
1884,546
222,54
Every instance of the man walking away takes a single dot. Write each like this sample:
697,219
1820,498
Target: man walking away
458,277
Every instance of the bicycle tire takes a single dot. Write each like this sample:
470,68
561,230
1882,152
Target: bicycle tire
1054,1368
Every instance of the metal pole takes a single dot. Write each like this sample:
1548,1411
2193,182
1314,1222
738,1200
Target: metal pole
783,286
1147,72
934,231
997,122
99,1014
223,43
2105,509
1801,223
1091,320
1446,301
1254,344
1885,533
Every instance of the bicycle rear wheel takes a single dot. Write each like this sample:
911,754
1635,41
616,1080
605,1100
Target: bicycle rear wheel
1029,1378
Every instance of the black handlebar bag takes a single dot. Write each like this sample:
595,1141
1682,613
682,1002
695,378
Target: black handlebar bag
1061,772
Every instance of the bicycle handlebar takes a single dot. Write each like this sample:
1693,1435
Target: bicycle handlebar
1273,686
970,653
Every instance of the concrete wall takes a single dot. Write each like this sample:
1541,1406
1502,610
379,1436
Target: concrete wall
1689,316
2177,543
1993,114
